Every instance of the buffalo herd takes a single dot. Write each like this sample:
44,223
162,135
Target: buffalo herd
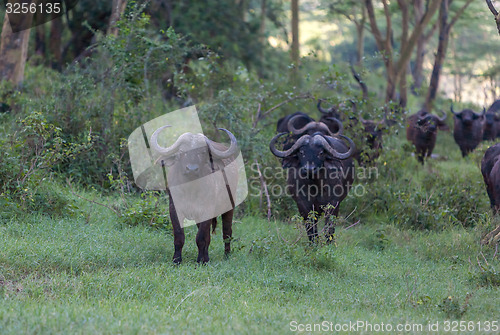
319,162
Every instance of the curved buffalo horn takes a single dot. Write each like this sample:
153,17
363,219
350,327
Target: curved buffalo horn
338,122
169,150
311,124
321,109
233,148
332,151
286,153
451,108
442,119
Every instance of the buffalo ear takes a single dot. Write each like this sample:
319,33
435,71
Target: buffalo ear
291,162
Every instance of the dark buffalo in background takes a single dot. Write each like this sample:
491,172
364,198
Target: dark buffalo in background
320,172
300,120
190,161
490,168
491,129
299,124
468,130
372,129
421,130
331,117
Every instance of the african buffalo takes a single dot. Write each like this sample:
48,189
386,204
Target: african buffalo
299,124
468,129
421,130
320,173
191,158
372,130
490,168
491,128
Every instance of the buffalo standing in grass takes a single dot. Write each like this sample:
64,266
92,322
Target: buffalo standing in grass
190,158
468,130
320,173
422,132
490,168
491,129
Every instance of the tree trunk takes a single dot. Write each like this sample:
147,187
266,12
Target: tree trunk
397,69
444,33
360,30
14,51
418,77
444,36
295,41
262,26
40,40
55,47
117,9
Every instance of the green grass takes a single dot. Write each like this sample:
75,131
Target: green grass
60,276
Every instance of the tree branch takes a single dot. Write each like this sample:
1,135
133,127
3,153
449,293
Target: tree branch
373,24
406,53
459,13
495,14
388,31
492,8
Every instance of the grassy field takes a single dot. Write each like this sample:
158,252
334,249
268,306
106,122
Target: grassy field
95,276
414,258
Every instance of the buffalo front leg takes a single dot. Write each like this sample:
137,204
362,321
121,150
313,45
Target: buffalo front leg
178,231
203,240
311,224
227,231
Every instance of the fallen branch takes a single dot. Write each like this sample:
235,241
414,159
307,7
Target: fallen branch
492,237
264,187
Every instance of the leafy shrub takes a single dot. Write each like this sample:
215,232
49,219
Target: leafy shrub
27,158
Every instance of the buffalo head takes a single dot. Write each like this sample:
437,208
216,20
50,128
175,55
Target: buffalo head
312,152
430,123
193,155
468,117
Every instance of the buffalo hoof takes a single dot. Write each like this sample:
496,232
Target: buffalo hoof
202,260
177,260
